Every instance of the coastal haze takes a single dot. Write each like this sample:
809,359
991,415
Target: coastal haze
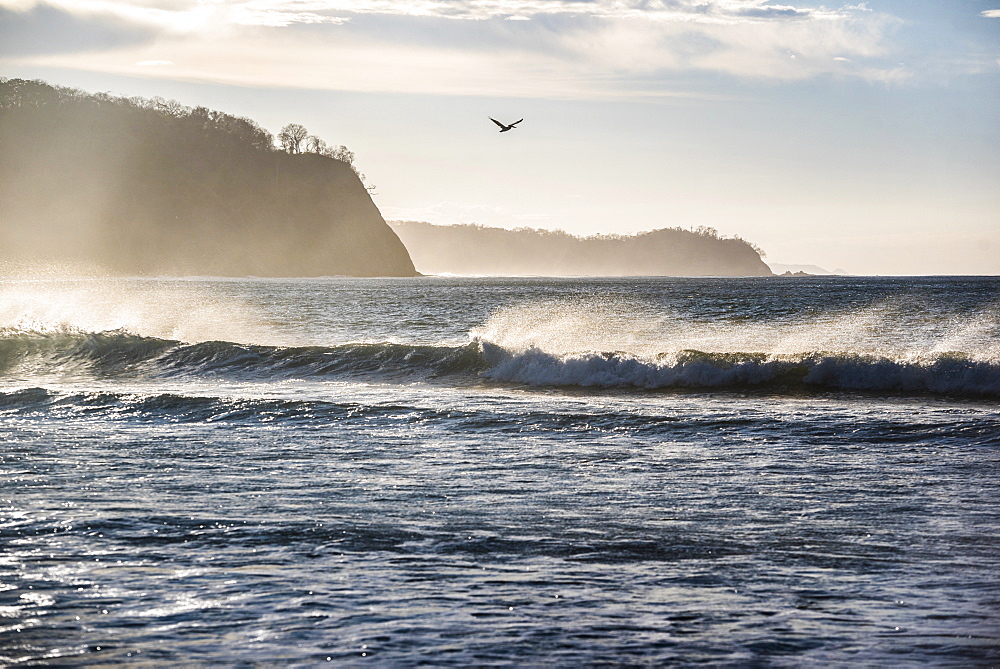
137,186
499,333
859,136
478,250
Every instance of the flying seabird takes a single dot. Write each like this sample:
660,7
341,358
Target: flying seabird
505,128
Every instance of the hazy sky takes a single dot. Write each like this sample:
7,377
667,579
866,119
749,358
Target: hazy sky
859,135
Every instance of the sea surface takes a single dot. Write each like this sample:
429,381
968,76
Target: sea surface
528,472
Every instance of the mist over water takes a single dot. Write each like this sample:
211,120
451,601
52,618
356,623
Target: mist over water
611,336
166,309
892,343
241,311
149,187
893,328
493,471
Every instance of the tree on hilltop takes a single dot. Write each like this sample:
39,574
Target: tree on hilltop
315,144
292,136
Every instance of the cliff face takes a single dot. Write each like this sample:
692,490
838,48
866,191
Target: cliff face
141,190
472,249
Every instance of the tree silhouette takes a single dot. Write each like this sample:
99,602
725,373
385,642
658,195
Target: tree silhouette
315,145
292,136
341,153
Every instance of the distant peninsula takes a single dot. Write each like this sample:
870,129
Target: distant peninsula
479,250
150,187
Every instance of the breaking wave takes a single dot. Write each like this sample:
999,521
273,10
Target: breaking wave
945,373
118,354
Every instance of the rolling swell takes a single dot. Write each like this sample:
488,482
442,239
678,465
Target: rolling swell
118,354
409,418
178,408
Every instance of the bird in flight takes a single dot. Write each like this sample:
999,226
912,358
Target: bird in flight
505,128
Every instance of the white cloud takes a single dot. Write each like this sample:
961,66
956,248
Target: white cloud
194,13
694,11
774,50
599,49
991,13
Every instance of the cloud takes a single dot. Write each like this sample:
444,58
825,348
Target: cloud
786,50
276,13
770,12
522,48
991,13
698,11
43,29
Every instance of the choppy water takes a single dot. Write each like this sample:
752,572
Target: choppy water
488,471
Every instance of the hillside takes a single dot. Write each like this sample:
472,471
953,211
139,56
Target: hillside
141,186
478,250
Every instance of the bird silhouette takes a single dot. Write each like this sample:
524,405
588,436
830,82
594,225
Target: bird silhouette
505,128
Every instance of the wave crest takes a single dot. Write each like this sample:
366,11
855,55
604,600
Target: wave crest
120,354
947,373
117,354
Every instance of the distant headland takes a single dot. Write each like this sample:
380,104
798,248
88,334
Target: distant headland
479,250
151,187
148,186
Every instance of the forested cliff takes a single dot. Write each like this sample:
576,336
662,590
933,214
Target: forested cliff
474,249
150,187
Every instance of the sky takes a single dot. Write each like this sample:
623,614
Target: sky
856,136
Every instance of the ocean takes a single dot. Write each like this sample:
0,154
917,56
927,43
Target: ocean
479,471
